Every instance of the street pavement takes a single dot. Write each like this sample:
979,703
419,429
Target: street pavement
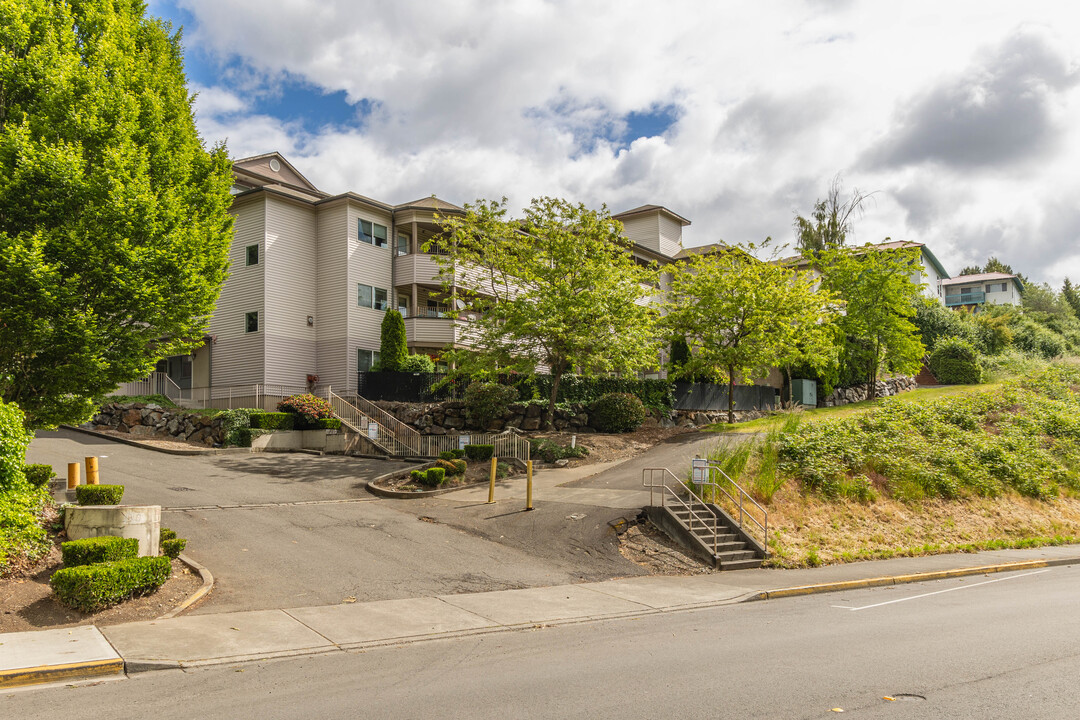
994,646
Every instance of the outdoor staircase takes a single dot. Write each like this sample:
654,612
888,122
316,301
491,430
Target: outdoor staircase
703,528
385,432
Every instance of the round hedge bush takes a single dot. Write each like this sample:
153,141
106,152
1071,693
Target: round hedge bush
955,362
617,412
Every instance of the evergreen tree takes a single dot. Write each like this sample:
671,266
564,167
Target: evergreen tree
392,350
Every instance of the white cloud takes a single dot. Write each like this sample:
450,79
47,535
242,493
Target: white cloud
484,99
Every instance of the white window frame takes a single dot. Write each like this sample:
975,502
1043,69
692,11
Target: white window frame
371,357
370,295
372,238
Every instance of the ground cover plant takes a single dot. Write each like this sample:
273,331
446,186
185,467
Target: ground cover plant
22,538
994,467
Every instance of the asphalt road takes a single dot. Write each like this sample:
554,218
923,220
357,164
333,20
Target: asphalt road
1001,646
294,530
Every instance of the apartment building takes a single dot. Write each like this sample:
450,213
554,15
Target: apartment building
971,291
312,275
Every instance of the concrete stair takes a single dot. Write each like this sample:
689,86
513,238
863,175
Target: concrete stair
733,549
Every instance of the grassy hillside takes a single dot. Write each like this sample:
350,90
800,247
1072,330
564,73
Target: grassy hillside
981,466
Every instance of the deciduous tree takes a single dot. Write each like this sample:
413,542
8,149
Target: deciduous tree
556,288
114,225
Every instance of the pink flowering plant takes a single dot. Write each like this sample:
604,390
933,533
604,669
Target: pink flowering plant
307,406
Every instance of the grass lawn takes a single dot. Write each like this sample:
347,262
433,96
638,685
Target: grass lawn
841,411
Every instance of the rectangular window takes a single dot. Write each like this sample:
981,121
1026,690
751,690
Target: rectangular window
381,299
252,252
403,305
251,322
366,359
363,295
371,233
185,366
403,243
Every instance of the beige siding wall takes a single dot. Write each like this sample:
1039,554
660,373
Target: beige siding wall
238,356
367,265
333,294
291,292
644,230
670,242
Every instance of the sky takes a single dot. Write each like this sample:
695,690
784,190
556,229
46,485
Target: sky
960,120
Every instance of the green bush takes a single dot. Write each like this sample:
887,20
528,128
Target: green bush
617,412
39,475
324,424
417,364
273,421
236,424
502,470
309,407
550,451
955,362
479,452
166,534
486,402
434,477
89,588
451,454
97,550
21,535
173,547
99,494
392,350
418,476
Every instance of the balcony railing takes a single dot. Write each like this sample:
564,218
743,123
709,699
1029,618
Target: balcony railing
972,298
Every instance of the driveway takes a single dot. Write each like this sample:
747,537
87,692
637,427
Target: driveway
290,530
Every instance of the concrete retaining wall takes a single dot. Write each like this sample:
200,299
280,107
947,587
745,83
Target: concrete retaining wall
142,522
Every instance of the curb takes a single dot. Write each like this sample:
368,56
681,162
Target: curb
11,679
905,579
144,446
204,589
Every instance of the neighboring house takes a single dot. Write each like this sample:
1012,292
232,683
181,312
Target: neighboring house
971,291
930,273
312,275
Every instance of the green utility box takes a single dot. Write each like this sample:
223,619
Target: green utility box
804,392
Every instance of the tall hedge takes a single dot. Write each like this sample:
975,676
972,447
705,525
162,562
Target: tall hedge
955,362
392,350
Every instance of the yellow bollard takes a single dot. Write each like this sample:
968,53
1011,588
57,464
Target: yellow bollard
91,471
491,484
73,475
528,485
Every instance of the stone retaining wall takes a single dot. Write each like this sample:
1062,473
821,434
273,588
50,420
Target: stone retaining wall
858,393
142,419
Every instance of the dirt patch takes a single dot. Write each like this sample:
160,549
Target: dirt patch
605,447
28,603
650,548
155,442
806,530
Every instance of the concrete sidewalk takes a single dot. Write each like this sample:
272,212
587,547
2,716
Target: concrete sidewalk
190,641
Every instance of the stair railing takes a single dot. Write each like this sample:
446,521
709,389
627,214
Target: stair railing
657,479
738,500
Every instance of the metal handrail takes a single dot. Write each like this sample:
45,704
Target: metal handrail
648,476
739,502
359,422
403,433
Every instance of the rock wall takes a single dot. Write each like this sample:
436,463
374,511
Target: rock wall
858,393
155,421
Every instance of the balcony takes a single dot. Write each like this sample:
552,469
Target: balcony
433,328
416,269
971,298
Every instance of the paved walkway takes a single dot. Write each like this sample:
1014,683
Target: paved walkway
51,655
614,484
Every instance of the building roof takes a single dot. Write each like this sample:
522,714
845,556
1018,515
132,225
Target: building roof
702,250
890,245
429,203
652,208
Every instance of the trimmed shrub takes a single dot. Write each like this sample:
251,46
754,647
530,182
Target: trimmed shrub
955,362
38,475
173,547
479,452
324,424
166,534
417,364
307,405
89,588
487,401
99,494
418,476
451,454
273,421
434,477
98,549
617,412
236,424
392,350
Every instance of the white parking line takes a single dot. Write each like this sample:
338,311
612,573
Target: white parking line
939,592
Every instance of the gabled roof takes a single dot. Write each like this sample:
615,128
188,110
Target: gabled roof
260,165
429,203
702,250
890,245
651,209
982,277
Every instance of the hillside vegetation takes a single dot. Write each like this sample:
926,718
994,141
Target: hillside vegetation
992,467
